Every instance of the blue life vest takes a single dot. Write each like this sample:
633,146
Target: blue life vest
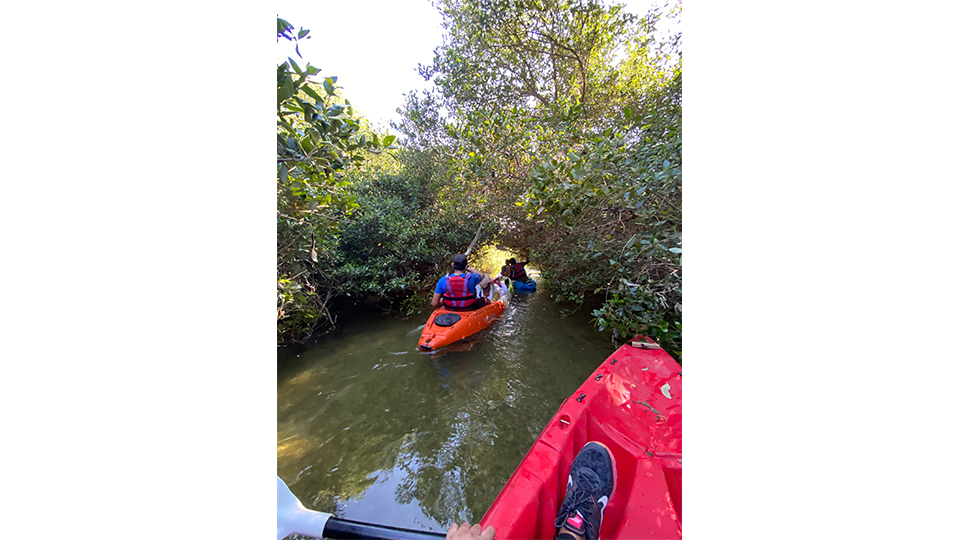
458,294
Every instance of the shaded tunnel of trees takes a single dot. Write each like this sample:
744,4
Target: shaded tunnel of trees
556,125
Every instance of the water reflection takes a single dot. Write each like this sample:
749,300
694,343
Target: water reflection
371,429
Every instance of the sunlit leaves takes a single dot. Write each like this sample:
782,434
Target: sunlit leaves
284,30
319,138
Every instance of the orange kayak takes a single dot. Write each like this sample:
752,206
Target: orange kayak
447,326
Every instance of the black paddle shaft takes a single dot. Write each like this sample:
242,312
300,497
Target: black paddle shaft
344,529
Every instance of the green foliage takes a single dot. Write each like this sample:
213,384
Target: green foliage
564,127
545,53
391,247
488,258
353,222
611,214
319,138
555,123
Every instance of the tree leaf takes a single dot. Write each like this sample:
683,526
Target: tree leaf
295,66
577,172
310,92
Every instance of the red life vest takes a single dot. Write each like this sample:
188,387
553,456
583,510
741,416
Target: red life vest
518,272
458,295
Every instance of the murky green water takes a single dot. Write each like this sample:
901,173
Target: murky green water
372,429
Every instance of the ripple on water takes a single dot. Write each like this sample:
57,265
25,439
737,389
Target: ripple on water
437,434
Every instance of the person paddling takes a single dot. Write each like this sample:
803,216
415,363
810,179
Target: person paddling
494,291
457,290
515,270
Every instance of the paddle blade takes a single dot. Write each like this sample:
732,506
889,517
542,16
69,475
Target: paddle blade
416,330
292,517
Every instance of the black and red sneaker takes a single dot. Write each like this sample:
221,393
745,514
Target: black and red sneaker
589,491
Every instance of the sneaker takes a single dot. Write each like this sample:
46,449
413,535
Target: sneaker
589,490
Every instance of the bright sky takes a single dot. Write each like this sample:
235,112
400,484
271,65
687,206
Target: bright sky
373,47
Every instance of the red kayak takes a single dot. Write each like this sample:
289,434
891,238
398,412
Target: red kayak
632,404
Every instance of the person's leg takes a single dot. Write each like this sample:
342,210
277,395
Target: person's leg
589,491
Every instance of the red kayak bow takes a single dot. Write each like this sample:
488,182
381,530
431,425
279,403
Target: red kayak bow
632,404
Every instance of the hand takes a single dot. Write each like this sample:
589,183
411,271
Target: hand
466,532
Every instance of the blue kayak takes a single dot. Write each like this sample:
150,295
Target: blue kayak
519,286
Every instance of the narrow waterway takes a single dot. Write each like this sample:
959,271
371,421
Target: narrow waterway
372,429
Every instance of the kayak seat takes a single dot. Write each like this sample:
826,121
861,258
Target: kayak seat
446,319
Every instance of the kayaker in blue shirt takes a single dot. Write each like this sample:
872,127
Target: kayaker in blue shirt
458,290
